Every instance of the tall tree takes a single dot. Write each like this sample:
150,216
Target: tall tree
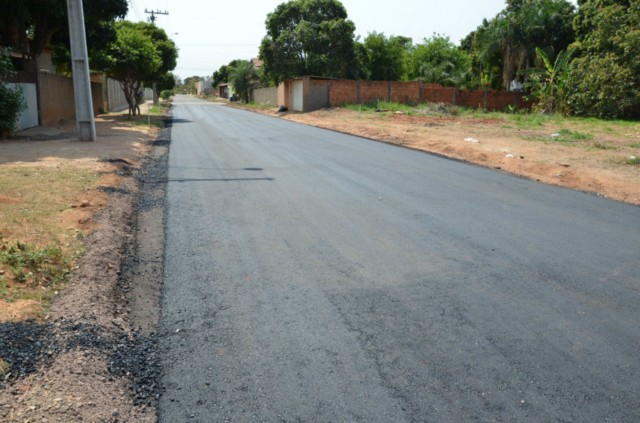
309,37
605,77
438,60
131,60
511,38
385,58
30,25
222,74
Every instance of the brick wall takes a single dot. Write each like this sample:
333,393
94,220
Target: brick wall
405,92
342,92
372,91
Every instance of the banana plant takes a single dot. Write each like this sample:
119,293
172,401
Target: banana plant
548,84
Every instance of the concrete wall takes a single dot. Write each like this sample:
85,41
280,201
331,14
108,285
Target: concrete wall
57,101
29,117
265,95
316,94
114,100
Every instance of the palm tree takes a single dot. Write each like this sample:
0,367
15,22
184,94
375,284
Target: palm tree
241,76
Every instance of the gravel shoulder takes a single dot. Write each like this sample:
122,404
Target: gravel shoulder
92,358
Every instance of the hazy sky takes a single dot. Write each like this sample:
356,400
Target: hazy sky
212,33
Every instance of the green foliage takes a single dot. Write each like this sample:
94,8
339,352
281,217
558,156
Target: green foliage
11,99
605,78
241,76
132,59
32,25
33,265
507,43
439,61
166,94
309,37
384,59
549,83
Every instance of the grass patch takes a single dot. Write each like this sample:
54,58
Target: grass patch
632,161
567,135
32,272
635,145
258,106
37,251
36,198
425,109
601,146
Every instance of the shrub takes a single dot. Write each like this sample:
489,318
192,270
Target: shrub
166,94
11,99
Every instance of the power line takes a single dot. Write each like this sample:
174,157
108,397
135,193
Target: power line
153,14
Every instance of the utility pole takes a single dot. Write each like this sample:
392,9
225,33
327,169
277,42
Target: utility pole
80,68
152,19
153,14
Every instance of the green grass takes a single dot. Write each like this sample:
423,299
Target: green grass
635,145
601,146
258,106
633,161
36,272
425,109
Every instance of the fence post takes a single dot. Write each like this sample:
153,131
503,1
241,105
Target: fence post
389,91
358,96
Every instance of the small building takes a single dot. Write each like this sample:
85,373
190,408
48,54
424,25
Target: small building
226,90
304,94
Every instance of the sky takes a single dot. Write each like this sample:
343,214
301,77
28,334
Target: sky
210,33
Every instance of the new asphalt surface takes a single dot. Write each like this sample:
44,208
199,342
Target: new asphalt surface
317,277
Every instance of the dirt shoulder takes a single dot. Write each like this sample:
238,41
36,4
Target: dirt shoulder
85,359
586,155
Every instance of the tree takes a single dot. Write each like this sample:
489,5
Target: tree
509,40
11,99
438,60
222,74
31,25
131,60
384,59
309,37
549,83
605,77
241,76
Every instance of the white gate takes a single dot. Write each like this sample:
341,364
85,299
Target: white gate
298,92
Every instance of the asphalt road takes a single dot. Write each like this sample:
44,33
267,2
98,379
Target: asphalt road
317,277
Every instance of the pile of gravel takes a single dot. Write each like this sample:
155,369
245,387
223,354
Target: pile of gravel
25,346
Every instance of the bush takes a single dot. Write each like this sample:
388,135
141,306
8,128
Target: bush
599,87
11,99
166,94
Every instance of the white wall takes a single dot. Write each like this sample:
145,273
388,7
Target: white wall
29,117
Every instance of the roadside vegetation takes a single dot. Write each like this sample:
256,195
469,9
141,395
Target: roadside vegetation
37,247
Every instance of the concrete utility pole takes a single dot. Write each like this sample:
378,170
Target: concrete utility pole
80,68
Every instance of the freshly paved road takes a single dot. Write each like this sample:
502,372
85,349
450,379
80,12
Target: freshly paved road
317,277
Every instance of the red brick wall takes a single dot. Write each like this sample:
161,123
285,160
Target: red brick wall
473,99
343,92
433,93
373,91
405,92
